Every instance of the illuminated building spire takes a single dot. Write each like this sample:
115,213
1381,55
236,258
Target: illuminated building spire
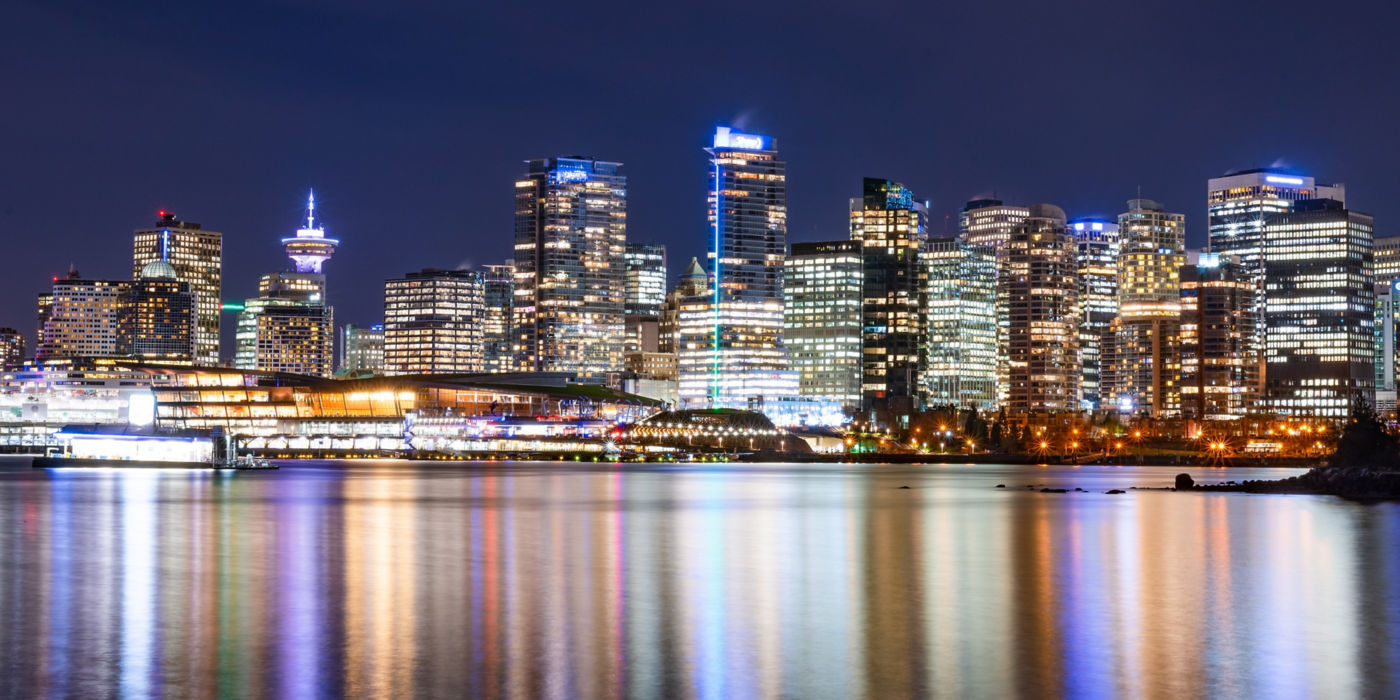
310,247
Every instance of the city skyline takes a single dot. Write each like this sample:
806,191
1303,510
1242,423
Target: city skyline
410,170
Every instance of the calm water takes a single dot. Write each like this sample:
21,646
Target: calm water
527,580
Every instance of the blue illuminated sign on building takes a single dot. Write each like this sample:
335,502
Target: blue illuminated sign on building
728,138
1283,180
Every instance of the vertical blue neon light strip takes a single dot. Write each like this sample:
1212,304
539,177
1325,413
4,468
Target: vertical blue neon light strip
714,371
165,245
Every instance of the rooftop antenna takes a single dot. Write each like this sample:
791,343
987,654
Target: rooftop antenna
311,209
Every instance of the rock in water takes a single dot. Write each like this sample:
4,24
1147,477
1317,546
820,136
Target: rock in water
1114,491
904,487
1001,486
1184,482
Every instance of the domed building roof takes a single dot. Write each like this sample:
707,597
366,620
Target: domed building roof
158,270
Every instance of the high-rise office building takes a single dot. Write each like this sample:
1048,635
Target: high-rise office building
1097,243
694,282
362,349
197,256
892,228
988,222
645,279
1218,372
745,361
1038,278
1237,205
1387,323
433,322
162,316
1320,309
285,335
84,318
570,246
646,294
498,323
823,321
11,348
1142,355
962,333
1387,260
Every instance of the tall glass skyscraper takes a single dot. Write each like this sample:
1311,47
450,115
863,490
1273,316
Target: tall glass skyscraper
1238,203
1142,355
747,203
1320,314
198,258
646,294
498,289
1219,376
961,368
822,286
1096,241
1039,282
570,245
892,227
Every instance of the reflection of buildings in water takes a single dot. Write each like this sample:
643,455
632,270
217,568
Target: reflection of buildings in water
893,605
380,610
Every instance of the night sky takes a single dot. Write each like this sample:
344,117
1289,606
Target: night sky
411,119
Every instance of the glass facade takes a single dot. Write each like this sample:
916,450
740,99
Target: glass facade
962,352
1142,352
1219,375
162,317
362,349
1038,280
743,361
1319,311
892,228
822,319
570,245
198,258
498,322
433,322
1097,245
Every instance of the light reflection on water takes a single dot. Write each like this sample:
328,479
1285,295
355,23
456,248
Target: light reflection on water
528,580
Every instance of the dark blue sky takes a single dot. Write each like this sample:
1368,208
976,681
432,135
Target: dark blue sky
411,119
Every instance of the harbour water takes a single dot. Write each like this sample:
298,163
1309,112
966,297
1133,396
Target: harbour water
392,579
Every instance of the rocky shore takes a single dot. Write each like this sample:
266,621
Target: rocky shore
1355,483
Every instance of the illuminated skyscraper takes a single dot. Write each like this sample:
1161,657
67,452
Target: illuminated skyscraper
1387,260
892,228
694,282
84,318
1387,324
162,316
362,349
1218,374
744,361
962,334
433,322
1142,354
570,262
1238,204
988,222
646,294
1039,281
1097,244
822,322
197,256
498,290
1320,311
11,348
